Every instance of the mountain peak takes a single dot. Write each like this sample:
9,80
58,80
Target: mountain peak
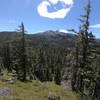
53,33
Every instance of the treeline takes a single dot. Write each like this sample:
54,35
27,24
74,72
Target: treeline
44,63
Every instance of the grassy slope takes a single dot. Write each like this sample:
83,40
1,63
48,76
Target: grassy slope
36,91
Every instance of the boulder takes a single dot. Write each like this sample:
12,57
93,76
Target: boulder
5,91
1,73
11,81
53,96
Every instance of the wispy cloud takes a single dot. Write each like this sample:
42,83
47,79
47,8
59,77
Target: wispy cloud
95,26
65,31
43,8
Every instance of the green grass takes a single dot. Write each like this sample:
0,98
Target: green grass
36,90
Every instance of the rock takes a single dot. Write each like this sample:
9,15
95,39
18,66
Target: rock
1,73
12,74
11,81
53,96
5,91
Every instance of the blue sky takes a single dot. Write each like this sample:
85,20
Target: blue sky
42,15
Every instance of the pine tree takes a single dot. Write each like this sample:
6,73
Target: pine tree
6,56
84,53
58,76
58,71
20,59
75,66
23,53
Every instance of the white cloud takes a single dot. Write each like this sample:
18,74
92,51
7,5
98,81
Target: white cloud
53,1
95,26
65,31
43,8
68,2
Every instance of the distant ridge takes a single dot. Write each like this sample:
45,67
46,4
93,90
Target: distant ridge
50,38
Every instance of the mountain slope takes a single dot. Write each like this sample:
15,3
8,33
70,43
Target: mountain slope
47,38
51,38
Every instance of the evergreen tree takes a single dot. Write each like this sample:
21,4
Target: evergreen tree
58,70
58,76
84,53
20,59
6,56
23,54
